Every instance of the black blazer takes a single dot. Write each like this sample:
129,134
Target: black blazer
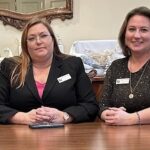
74,96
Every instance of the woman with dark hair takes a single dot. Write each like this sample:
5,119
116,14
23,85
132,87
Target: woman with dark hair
126,96
42,84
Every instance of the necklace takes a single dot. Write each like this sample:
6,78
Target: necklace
132,89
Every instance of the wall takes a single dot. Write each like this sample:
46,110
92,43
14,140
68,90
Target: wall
93,19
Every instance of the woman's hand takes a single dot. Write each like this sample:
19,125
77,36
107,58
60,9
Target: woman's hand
42,114
50,115
109,111
24,118
118,116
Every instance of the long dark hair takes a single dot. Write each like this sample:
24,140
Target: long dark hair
143,11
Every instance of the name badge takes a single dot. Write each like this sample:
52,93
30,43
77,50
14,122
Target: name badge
64,78
122,81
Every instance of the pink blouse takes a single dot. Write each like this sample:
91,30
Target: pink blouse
40,88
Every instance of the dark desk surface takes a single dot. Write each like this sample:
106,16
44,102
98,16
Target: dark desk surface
84,136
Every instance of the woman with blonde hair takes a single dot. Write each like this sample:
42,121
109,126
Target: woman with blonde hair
43,84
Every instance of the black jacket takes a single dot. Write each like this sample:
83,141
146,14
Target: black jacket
74,96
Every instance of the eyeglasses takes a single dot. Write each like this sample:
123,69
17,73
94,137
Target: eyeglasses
41,37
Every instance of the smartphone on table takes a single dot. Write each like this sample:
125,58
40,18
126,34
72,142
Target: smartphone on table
41,125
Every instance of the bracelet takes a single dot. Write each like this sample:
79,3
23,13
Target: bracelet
139,119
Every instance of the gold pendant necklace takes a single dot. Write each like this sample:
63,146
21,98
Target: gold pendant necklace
131,95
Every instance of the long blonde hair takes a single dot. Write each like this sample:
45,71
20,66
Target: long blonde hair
22,63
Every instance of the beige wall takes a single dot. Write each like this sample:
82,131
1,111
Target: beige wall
93,19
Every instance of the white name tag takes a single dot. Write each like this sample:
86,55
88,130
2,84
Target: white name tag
64,78
122,81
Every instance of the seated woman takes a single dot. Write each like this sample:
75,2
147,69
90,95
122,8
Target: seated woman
126,96
42,84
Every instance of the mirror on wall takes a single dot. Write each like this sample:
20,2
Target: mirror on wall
17,12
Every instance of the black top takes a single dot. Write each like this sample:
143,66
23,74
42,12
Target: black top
117,95
74,96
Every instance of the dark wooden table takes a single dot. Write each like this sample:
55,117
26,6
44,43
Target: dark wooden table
84,136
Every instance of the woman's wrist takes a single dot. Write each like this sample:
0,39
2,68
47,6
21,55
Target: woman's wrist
134,119
138,118
18,118
67,118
